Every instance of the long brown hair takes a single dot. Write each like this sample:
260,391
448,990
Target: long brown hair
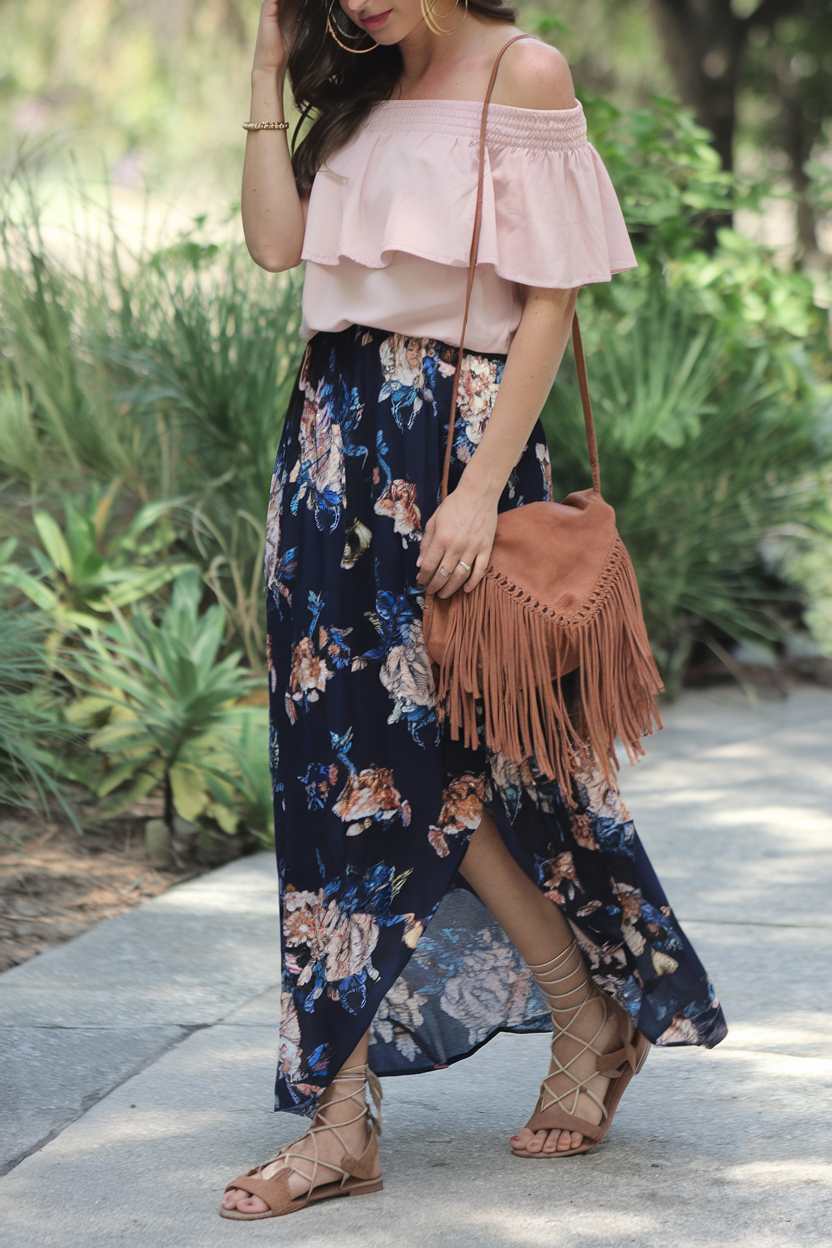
336,88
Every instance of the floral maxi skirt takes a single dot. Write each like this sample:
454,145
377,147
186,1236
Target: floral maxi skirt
374,803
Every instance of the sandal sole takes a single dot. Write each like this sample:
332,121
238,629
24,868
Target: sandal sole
358,1189
569,1152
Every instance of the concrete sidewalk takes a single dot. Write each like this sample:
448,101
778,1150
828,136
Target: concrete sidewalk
140,1056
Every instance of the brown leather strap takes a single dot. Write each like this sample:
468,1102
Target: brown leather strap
577,344
583,385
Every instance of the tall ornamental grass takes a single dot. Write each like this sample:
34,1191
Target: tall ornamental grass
162,376
33,731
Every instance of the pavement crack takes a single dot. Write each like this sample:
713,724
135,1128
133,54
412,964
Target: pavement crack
92,1098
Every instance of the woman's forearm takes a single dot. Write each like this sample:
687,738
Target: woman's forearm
272,211
531,366
456,546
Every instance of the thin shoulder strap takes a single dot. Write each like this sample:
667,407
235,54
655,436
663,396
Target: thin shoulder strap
577,344
583,386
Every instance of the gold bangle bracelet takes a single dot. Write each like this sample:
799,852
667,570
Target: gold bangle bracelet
265,125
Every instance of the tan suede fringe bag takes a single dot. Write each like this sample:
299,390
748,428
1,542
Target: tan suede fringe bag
559,596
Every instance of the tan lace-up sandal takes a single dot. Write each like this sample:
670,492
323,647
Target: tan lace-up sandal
359,1175
556,1111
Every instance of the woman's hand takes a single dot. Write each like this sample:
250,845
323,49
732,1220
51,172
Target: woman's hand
460,531
270,51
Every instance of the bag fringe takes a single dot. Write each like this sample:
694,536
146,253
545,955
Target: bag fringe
508,651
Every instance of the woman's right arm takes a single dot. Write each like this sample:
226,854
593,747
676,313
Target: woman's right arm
272,210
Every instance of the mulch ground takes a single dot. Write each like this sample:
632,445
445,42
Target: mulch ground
54,883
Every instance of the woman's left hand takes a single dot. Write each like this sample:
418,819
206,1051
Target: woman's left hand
460,531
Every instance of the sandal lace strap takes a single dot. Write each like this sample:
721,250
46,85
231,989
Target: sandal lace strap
366,1080
569,962
374,1088
545,976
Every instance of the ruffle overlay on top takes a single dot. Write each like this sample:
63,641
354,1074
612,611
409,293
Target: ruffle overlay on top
404,189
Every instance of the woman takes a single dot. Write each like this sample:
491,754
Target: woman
432,895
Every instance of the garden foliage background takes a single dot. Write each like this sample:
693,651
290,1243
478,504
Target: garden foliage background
145,364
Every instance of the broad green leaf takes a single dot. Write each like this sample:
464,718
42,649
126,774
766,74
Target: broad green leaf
117,774
40,594
54,542
189,796
226,817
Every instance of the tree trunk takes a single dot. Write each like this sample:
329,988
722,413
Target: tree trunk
798,135
703,42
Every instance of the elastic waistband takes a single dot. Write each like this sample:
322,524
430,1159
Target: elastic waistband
427,345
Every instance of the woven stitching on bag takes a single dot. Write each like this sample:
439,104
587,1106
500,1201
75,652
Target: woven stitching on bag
584,612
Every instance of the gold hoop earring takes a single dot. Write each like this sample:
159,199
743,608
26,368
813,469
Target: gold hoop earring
433,25
331,28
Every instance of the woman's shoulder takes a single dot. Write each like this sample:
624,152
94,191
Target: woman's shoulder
534,75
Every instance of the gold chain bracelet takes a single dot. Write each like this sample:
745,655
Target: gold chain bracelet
265,125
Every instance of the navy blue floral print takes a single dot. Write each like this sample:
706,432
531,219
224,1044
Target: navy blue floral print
374,803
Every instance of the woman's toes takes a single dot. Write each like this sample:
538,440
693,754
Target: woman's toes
554,1141
231,1200
252,1204
246,1203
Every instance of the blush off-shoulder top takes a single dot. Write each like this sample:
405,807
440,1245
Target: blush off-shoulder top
390,217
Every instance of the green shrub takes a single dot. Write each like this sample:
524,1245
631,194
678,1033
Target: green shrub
32,731
803,555
666,174
168,370
162,709
212,351
58,414
81,570
706,446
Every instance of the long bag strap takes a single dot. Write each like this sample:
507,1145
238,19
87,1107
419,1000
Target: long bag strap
577,344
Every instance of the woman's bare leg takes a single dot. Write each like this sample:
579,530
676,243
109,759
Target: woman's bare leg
539,932
329,1146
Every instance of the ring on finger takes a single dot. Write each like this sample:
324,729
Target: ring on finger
466,566
443,572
